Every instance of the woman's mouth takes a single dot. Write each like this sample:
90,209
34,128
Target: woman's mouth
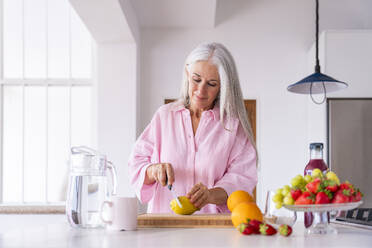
201,98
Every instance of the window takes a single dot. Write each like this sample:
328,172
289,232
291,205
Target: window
45,93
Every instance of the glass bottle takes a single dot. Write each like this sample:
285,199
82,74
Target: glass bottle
316,162
316,159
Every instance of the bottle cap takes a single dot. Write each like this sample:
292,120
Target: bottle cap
316,145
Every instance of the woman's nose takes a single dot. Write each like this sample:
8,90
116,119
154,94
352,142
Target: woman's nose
202,87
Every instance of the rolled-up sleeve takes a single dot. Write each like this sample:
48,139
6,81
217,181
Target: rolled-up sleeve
241,173
140,160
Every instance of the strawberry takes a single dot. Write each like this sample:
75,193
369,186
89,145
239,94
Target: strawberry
347,186
322,198
332,188
330,185
305,198
295,193
267,229
285,230
255,224
357,196
341,196
245,229
315,186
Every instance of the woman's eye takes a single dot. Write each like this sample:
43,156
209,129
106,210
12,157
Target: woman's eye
197,80
212,84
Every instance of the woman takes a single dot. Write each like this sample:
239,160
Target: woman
202,144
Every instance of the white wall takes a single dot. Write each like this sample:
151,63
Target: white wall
346,56
270,41
114,27
116,103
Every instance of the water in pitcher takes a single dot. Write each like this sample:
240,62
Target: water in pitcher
85,199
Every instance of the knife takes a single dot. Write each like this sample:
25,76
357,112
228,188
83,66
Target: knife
173,193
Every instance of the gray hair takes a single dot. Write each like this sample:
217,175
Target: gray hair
230,98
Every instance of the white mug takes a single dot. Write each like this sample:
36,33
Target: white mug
123,212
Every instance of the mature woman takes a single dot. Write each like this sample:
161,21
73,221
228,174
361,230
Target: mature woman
202,144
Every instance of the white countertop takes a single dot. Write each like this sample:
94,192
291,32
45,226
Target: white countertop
54,231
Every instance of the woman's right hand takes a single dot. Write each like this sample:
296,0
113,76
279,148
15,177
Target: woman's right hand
159,173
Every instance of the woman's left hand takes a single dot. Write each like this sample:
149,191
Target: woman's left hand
199,195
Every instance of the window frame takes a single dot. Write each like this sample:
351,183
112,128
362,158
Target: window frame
47,82
1,101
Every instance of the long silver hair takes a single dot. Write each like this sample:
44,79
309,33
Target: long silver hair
230,97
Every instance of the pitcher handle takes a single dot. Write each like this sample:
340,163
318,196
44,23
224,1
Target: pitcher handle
111,166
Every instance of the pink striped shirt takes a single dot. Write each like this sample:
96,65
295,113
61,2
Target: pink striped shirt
215,157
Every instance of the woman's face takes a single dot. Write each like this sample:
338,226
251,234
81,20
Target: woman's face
204,85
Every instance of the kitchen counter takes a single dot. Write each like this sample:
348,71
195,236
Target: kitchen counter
54,231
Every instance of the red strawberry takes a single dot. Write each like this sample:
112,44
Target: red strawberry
341,196
255,224
267,229
347,186
314,186
245,229
322,198
305,198
295,193
330,185
357,196
332,188
285,230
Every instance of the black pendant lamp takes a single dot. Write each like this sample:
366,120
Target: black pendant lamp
317,83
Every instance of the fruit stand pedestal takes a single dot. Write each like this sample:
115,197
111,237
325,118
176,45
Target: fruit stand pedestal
320,224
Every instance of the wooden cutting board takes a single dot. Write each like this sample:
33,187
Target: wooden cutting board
196,220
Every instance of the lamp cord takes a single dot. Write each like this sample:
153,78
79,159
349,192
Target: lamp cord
317,66
324,97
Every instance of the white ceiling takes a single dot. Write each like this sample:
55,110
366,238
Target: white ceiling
175,13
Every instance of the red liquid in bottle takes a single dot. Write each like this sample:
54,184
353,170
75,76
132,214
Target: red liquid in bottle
316,162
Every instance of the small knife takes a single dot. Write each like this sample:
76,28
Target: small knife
173,193
175,196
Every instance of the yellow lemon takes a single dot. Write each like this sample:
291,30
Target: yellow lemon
187,207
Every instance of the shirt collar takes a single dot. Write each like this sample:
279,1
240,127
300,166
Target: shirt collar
215,111
179,107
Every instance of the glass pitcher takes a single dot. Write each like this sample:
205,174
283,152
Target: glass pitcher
88,187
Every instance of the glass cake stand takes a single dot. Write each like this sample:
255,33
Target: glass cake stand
320,224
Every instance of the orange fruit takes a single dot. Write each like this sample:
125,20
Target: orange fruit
238,197
244,211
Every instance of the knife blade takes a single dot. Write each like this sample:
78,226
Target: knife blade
173,192
175,196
